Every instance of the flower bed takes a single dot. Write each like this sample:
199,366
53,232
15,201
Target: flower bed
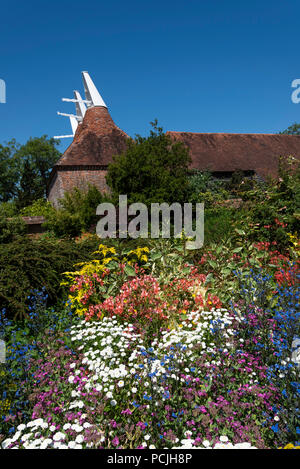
156,362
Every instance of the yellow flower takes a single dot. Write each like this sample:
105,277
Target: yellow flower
107,260
289,446
5,406
294,240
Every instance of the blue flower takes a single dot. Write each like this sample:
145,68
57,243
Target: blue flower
275,428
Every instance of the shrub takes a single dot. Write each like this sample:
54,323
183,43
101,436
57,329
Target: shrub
29,264
203,187
219,224
270,211
96,280
152,169
11,228
64,224
8,209
77,212
39,207
119,283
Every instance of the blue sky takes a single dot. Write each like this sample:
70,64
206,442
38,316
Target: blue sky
199,66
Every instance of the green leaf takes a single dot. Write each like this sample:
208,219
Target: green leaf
186,270
239,249
226,271
155,256
112,265
129,271
209,277
110,289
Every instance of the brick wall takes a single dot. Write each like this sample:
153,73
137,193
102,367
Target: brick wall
65,180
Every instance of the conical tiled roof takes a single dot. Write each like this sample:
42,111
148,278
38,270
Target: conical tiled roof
95,142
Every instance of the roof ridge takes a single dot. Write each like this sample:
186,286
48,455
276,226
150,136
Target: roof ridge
228,133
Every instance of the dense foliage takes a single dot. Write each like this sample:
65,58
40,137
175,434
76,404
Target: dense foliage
158,362
25,169
77,212
29,264
11,228
152,169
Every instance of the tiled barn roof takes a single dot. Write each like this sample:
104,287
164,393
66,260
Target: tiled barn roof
231,152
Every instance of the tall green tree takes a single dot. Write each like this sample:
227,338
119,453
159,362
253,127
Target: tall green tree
9,171
36,160
25,169
152,169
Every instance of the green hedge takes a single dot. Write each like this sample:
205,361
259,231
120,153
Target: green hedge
29,264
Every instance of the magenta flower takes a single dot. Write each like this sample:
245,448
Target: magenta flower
202,409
